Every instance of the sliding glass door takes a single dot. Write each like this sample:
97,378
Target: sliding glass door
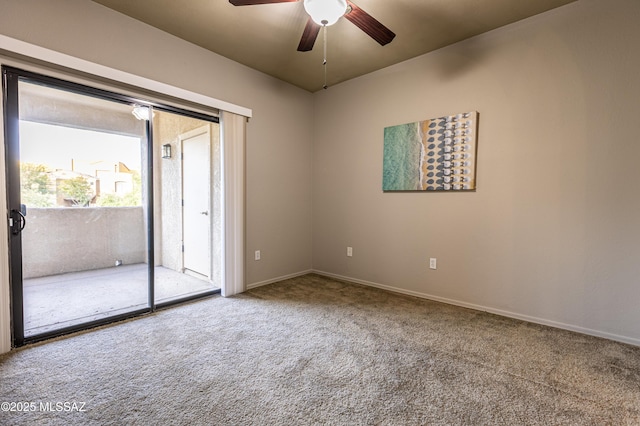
188,206
95,236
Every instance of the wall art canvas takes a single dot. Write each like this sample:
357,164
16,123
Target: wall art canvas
438,154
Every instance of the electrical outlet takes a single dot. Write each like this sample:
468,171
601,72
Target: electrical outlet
257,255
349,251
432,263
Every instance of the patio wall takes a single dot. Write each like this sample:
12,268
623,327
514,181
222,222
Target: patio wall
60,240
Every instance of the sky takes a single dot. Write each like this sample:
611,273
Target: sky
55,146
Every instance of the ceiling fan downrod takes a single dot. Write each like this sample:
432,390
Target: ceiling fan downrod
324,62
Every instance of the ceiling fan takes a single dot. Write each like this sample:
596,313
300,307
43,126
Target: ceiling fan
323,13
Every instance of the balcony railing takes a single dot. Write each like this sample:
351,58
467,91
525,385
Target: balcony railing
61,240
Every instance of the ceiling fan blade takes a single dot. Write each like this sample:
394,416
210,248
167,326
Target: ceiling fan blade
309,36
369,24
252,2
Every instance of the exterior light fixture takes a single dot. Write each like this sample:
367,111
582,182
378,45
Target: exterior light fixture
166,150
325,12
141,112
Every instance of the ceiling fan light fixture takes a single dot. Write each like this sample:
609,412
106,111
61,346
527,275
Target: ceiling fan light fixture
325,12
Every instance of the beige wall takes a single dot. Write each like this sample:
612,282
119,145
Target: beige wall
552,233
279,136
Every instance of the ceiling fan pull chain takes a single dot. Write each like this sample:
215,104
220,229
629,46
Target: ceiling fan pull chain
324,62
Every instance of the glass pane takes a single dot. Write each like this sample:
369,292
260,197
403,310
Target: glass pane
82,179
188,238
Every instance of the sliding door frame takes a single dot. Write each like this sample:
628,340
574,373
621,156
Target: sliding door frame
11,76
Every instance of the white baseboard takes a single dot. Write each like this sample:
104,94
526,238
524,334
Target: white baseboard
536,320
275,280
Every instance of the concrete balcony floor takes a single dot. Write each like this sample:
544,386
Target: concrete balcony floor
60,301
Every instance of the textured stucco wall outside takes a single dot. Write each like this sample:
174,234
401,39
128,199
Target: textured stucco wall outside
60,240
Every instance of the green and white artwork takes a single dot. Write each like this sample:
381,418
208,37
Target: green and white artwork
438,154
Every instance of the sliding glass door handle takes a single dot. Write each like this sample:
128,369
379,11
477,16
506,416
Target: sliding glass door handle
19,224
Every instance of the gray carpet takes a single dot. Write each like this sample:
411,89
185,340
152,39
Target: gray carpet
312,350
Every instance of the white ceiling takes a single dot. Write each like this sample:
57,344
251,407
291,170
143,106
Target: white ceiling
265,37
